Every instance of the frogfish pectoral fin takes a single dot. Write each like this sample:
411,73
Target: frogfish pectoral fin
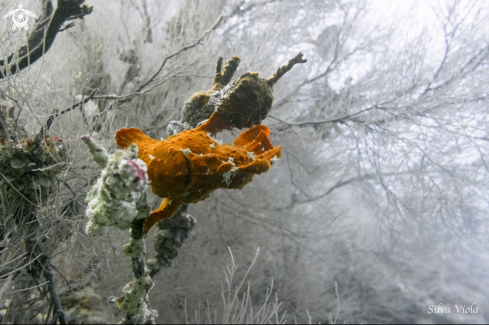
165,211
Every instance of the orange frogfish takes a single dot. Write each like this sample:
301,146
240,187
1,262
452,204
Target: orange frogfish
188,166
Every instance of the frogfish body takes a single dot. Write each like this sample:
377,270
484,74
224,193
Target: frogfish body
188,166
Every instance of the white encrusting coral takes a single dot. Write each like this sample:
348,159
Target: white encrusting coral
135,298
228,176
274,160
134,247
113,200
215,100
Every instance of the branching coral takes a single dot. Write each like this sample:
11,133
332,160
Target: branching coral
169,238
43,36
99,154
134,301
118,199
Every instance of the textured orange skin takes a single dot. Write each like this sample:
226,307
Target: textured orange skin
189,178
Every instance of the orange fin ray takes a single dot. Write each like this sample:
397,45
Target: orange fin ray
256,167
260,144
250,135
270,154
166,210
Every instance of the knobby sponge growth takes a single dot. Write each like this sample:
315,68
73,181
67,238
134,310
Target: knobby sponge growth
239,104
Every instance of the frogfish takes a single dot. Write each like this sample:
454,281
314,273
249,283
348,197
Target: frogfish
188,166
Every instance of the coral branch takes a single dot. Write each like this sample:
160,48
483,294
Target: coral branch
169,238
118,199
42,38
39,265
99,154
284,69
134,302
222,78
207,32
57,113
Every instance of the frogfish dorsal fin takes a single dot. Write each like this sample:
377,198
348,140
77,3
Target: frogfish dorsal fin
255,139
